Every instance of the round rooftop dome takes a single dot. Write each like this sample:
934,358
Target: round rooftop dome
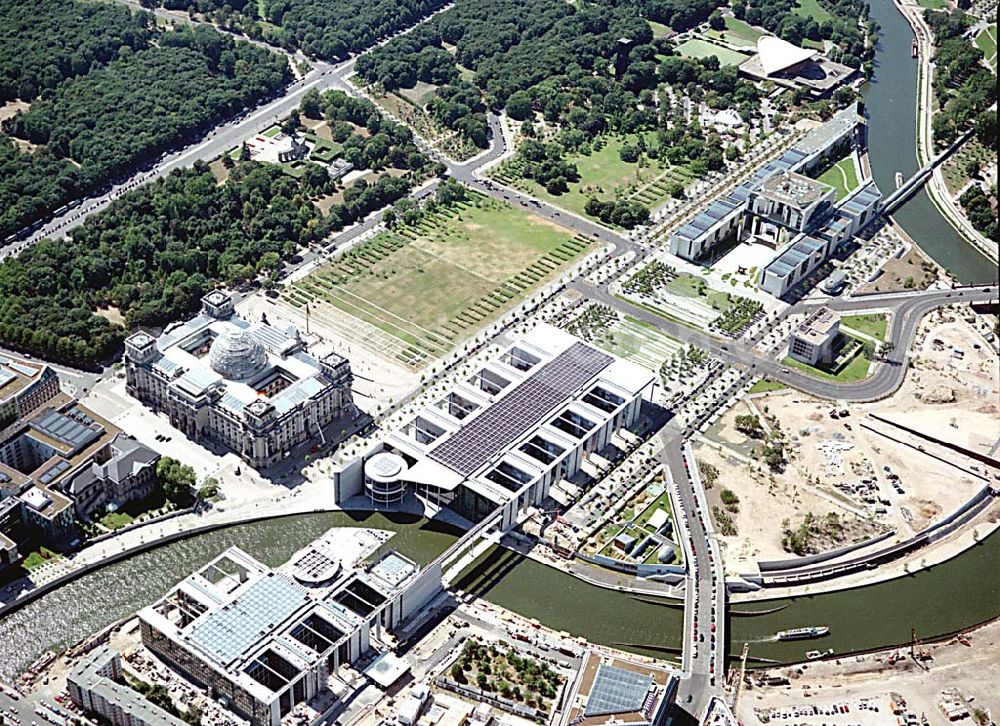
385,467
236,354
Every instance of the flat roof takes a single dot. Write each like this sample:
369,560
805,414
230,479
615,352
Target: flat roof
499,425
229,631
617,690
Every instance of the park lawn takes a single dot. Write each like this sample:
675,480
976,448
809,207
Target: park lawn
765,385
659,29
855,369
688,285
602,172
873,324
933,4
986,41
812,9
439,280
116,520
696,48
271,132
842,176
738,32
41,556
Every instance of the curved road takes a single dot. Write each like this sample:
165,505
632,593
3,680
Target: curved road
907,309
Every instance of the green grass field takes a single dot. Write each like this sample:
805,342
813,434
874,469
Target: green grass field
696,48
433,284
873,324
738,32
842,176
603,175
856,369
39,557
688,285
933,4
986,41
765,385
659,29
812,9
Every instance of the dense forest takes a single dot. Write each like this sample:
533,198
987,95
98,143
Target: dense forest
47,41
154,252
522,53
320,28
964,88
91,128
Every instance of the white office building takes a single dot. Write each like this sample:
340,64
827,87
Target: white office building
508,432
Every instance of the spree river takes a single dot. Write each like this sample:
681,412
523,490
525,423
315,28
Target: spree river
891,109
859,619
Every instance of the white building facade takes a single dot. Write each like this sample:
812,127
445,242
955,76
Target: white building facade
250,386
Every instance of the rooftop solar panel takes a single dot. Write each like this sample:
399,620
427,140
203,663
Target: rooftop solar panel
617,690
499,425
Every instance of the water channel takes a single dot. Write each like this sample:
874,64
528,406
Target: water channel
859,619
890,105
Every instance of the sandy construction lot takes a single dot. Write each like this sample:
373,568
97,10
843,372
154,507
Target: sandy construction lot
973,670
837,464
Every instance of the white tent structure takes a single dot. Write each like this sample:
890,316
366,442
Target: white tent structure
776,54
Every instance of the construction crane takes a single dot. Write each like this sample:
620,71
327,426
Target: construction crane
743,670
917,651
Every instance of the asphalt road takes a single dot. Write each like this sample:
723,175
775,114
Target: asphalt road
907,309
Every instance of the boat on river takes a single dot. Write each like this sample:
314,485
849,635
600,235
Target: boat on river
816,631
899,179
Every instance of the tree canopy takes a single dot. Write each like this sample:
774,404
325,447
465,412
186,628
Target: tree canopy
123,108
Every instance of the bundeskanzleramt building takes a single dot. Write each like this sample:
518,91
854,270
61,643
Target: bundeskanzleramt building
250,386
95,686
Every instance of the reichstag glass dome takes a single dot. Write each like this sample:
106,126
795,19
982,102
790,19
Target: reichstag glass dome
236,355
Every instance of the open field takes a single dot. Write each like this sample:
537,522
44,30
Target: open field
812,9
696,48
603,175
973,669
953,399
912,271
429,286
873,324
737,32
842,176
986,41
659,29
933,4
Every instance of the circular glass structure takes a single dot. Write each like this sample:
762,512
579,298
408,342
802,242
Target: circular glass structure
237,355
384,480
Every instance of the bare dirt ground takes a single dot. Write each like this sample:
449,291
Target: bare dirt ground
10,109
913,265
954,399
973,670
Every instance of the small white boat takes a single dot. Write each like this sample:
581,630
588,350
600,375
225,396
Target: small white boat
899,179
814,654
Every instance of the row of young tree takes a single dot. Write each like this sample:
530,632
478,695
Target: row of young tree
91,129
